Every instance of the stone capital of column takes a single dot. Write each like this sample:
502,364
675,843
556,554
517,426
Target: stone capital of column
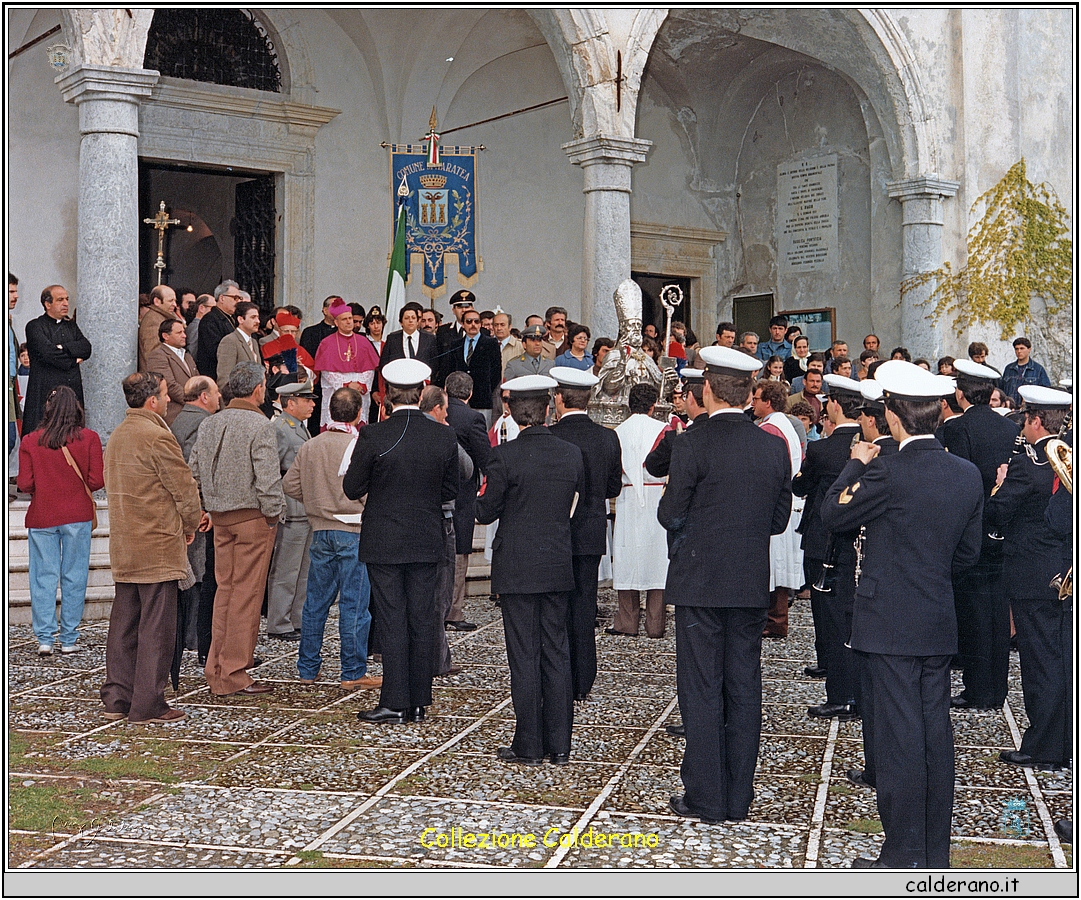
114,83
608,150
925,187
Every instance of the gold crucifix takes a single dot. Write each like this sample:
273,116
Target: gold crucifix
161,222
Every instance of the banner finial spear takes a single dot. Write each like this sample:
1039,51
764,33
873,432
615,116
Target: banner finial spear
432,121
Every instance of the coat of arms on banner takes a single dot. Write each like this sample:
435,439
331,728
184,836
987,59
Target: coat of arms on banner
437,187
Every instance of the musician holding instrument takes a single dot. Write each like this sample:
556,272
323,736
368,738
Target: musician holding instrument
823,463
986,439
1033,556
919,514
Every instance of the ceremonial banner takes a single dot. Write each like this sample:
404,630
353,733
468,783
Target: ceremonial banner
440,210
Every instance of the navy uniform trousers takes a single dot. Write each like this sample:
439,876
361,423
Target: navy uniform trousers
842,677
911,709
1045,648
720,646
582,624
540,672
403,602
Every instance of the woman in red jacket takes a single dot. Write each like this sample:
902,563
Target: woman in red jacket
59,519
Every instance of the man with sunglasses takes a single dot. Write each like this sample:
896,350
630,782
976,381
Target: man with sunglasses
477,353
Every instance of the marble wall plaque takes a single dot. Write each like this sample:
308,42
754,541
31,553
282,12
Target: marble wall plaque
807,216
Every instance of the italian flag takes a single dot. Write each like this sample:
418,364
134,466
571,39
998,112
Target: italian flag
396,275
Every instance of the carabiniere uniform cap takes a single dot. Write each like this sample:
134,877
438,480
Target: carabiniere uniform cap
463,298
902,380
301,391
975,370
573,378
525,385
406,373
1039,397
838,384
726,361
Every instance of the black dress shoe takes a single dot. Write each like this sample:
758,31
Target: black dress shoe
508,755
679,730
962,702
416,714
1017,758
256,662
382,716
679,806
857,777
611,630
581,698
559,759
863,862
1064,830
291,636
460,626
814,672
846,712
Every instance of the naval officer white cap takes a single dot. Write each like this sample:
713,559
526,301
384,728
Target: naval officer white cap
1040,397
975,370
567,376
406,373
529,384
726,361
902,380
838,384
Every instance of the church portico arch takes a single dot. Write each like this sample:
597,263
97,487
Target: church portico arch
736,98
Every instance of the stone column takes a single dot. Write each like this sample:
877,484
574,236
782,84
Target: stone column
606,254
107,293
921,251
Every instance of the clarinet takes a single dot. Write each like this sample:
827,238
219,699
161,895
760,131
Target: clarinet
1018,447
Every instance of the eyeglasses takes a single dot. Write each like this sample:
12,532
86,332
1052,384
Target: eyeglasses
231,297
471,321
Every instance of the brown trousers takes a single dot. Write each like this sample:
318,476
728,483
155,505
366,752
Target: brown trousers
777,621
241,560
139,649
629,613
456,613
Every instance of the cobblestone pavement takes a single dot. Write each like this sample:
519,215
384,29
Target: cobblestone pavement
293,780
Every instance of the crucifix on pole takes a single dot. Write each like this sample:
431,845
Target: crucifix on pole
161,223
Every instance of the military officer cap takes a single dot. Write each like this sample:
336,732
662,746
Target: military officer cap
975,370
406,373
534,331
839,385
529,385
463,298
692,376
1038,397
871,391
573,378
302,391
726,361
902,380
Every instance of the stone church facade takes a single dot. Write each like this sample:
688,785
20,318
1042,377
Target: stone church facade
705,144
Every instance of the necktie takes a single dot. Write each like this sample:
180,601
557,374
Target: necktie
409,353
469,349
503,431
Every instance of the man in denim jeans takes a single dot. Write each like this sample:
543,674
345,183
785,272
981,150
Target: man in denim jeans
315,479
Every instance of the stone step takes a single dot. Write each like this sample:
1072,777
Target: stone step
99,603
19,546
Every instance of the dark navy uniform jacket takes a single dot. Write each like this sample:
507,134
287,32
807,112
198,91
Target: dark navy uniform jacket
604,480
923,512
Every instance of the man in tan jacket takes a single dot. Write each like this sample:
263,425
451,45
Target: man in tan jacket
162,309
173,363
153,515
235,461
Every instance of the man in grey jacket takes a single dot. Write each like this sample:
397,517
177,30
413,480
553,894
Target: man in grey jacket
289,564
235,461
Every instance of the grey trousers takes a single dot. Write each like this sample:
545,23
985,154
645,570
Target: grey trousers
288,578
456,613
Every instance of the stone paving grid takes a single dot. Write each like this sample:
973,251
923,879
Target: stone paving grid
294,771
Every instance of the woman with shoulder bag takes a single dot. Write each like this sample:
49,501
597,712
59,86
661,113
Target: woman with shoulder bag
60,466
